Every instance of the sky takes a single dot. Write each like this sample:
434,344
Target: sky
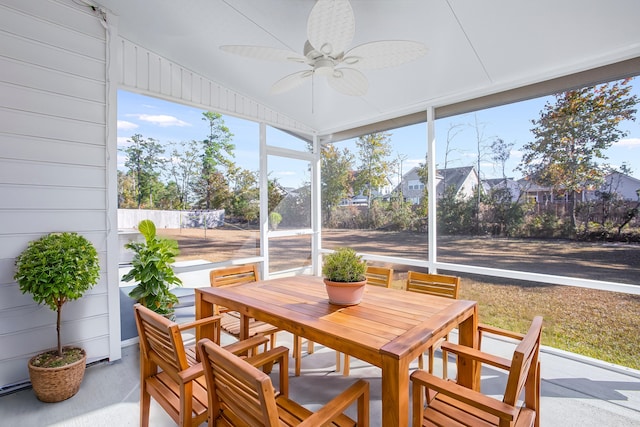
171,123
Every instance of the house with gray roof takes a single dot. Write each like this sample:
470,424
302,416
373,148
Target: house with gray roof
463,179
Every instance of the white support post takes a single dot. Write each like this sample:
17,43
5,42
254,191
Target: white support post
433,196
264,201
316,207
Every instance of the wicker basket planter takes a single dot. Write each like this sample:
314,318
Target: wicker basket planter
57,384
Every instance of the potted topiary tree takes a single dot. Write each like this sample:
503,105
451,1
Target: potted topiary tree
54,269
151,268
344,277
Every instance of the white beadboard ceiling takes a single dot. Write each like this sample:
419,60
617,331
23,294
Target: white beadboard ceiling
476,48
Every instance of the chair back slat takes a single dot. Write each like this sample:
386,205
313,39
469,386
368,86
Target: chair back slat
379,276
524,364
235,275
234,384
433,284
160,340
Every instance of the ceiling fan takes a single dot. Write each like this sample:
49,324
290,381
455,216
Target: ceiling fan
330,29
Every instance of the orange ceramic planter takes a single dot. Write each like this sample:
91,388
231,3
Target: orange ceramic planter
345,293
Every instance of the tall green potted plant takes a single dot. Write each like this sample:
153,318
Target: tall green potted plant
54,269
151,268
344,276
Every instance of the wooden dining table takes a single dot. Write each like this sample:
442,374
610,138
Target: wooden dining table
390,328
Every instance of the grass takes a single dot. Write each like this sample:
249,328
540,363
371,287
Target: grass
599,324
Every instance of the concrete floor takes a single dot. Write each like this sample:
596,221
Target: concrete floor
576,391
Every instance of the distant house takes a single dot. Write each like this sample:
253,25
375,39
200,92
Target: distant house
361,198
512,185
625,186
463,179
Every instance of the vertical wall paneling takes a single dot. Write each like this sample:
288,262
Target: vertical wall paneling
54,169
145,72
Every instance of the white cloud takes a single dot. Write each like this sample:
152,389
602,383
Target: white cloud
161,120
125,125
628,142
516,154
124,140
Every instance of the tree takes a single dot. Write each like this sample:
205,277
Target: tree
480,153
275,194
374,169
336,175
500,153
572,135
183,167
217,150
126,191
244,194
144,162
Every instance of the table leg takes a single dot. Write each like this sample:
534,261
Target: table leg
468,370
203,309
395,391
244,327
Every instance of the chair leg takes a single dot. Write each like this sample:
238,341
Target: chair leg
432,353
421,361
310,347
297,353
337,361
345,371
146,369
445,361
272,341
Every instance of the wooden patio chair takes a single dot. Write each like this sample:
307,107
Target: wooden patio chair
230,322
170,373
243,395
439,285
376,276
448,403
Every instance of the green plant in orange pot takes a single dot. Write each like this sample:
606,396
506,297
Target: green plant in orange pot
344,277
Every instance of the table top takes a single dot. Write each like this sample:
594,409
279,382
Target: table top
388,322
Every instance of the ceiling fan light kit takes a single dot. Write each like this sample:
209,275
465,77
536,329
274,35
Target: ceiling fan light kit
330,30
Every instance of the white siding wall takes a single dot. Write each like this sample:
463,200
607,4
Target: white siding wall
54,169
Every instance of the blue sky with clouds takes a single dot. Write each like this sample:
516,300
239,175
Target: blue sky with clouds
169,122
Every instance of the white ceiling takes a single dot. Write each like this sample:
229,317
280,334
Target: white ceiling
475,48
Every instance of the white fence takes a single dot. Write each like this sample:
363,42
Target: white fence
130,218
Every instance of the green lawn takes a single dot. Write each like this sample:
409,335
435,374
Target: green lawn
599,324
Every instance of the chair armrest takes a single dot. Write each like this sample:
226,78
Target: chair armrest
483,328
241,347
191,373
477,355
336,406
200,322
266,360
270,356
465,395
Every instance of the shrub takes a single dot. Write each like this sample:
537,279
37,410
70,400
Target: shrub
344,265
151,268
57,268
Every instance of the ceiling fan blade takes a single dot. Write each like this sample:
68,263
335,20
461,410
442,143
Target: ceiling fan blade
290,82
348,81
331,26
263,52
385,53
